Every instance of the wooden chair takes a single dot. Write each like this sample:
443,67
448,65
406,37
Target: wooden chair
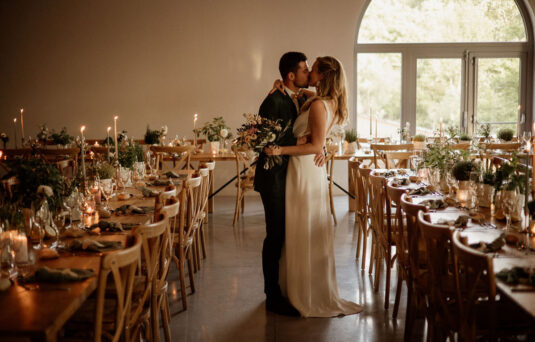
463,146
205,191
8,187
443,309
399,235
210,205
245,181
379,149
67,167
329,164
54,155
397,159
481,314
364,218
154,237
380,220
200,143
505,149
169,192
417,281
180,155
187,228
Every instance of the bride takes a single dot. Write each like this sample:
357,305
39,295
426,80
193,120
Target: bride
307,266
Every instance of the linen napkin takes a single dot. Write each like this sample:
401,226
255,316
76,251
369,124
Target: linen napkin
517,275
492,247
171,174
128,209
159,182
58,275
147,192
420,191
90,245
435,203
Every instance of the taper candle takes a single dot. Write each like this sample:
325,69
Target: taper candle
82,142
371,122
194,130
115,137
108,143
15,126
22,124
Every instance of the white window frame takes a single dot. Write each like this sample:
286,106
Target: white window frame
469,53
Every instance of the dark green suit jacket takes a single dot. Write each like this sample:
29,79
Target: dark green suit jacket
276,106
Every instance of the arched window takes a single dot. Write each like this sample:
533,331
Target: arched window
460,61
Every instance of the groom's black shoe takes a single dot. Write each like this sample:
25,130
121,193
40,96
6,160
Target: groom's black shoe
281,306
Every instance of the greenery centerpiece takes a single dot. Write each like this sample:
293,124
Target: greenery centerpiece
131,153
154,137
464,137
61,138
215,132
510,185
419,141
352,139
506,134
43,134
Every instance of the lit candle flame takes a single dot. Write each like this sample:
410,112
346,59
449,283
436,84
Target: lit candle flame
82,129
109,129
15,120
115,117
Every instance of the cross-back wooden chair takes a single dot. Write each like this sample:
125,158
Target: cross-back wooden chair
179,155
54,155
380,221
121,266
461,146
443,308
209,206
397,159
329,164
399,234
187,228
505,150
245,181
417,280
169,191
380,149
205,191
364,219
482,316
200,143
67,167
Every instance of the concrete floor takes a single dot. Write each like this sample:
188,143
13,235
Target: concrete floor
229,304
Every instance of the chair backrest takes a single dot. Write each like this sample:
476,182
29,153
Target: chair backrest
244,161
397,159
205,188
180,155
154,242
440,264
398,225
190,215
168,193
200,143
511,146
463,146
413,232
121,265
379,149
474,273
67,167
364,174
52,154
379,210
353,165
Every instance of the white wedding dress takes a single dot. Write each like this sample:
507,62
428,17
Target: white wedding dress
307,266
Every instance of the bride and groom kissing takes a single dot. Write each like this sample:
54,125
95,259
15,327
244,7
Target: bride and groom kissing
298,252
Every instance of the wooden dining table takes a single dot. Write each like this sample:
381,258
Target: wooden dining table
37,311
487,230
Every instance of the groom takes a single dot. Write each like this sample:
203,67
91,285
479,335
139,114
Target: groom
271,184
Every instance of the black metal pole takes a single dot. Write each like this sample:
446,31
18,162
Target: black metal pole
230,181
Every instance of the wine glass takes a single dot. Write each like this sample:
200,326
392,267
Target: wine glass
69,203
124,175
526,138
107,187
509,200
475,179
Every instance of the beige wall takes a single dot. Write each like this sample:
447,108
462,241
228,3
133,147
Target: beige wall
156,62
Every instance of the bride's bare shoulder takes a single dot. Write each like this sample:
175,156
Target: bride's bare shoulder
318,108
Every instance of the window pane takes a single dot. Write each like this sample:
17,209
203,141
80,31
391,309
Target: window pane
497,91
421,21
438,94
379,93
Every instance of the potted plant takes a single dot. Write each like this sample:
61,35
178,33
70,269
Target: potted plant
461,172
418,141
506,134
510,185
154,137
62,138
484,131
351,138
215,132
439,156
465,137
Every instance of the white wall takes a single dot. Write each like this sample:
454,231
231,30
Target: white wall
156,62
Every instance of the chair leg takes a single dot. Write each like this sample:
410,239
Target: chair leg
155,319
373,257
190,271
180,266
359,237
237,208
378,268
199,249
398,295
166,317
242,204
203,242
332,203
409,316
364,245
388,266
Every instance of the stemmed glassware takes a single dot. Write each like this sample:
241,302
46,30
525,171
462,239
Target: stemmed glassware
526,138
509,199
107,187
475,180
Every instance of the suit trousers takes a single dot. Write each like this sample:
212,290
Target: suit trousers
274,208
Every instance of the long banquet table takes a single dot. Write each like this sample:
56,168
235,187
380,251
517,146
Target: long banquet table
38,311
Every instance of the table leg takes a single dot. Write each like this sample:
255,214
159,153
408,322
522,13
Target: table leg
211,199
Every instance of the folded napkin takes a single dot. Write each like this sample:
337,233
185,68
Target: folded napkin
159,182
461,221
517,275
113,227
73,233
171,174
128,209
401,182
420,191
91,245
58,275
435,203
147,192
492,247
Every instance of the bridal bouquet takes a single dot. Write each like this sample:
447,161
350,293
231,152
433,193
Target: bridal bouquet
258,132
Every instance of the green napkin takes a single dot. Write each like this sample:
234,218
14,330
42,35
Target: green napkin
420,191
128,209
147,192
517,275
461,221
58,275
90,245
159,182
435,203
171,174
492,247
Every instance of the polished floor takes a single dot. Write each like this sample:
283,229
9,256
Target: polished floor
229,304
